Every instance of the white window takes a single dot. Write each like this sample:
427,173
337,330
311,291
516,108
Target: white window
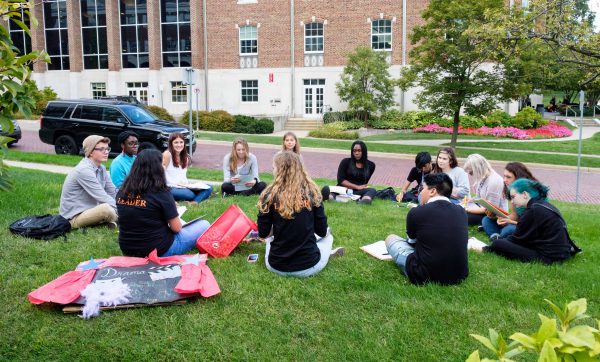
93,34
98,90
250,91
178,92
248,40
313,38
176,33
381,34
134,34
57,40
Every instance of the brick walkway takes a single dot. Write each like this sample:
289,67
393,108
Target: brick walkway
391,168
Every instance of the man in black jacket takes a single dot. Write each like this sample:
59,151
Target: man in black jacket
437,232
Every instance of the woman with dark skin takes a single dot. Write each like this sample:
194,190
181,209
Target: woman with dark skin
355,172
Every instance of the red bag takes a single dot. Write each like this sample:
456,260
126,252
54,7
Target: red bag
225,233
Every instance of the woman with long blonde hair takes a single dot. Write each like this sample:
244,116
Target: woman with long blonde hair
292,207
240,171
487,183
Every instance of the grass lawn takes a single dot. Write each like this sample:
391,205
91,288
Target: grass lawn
358,308
590,146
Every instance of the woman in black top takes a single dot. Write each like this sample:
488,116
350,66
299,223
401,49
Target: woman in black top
355,172
292,207
148,217
541,233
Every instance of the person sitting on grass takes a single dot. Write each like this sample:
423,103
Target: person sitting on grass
240,171
447,163
176,162
423,166
292,209
88,194
504,226
121,165
355,172
149,217
541,233
437,230
487,185
291,143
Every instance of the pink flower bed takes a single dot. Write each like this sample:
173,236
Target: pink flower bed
551,130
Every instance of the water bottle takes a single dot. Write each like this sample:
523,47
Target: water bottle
349,192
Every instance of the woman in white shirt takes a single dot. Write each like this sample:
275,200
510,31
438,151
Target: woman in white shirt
447,163
240,171
176,162
487,183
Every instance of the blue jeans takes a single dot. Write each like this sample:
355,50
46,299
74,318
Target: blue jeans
185,240
324,244
191,195
399,250
490,226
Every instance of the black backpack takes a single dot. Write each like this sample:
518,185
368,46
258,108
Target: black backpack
386,194
45,227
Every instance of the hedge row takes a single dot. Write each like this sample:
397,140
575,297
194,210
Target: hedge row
394,119
221,121
336,130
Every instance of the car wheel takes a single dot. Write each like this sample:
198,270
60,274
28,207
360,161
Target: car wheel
65,145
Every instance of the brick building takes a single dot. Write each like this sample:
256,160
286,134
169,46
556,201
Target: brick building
252,57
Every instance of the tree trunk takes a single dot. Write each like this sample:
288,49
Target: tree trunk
366,119
455,129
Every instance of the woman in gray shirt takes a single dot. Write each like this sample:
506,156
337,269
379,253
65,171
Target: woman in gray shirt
240,171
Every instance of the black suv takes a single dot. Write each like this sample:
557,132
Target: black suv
66,123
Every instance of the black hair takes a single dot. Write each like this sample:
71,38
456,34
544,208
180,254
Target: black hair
363,158
422,159
147,175
146,146
123,136
439,181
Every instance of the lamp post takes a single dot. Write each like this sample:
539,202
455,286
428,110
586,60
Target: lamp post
189,80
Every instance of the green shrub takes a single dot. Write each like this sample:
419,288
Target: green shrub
333,131
471,122
218,121
247,124
527,118
352,124
445,122
40,96
329,117
161,113
498,118
414,119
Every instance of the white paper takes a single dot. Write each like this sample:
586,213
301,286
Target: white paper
475,244
241,186
338,189
198,186
378,250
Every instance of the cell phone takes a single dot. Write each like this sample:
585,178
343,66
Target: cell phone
252,258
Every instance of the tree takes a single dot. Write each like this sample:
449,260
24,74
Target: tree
454,70
366,83
14,72
563,26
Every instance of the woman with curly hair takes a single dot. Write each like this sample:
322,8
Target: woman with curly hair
541,233
292,207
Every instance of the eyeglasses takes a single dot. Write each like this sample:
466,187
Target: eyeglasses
102,149
133,143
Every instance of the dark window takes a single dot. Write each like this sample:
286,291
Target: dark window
56,110
93,33
57,41
176,35
134,33
90,112
111,115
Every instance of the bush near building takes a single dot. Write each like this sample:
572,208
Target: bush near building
221,121
335,130
161,112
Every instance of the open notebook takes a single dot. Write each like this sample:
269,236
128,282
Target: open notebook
377,250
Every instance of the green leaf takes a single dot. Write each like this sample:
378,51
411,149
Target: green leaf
547,354
547,329
514,352
485,341
576,308
13,87
473,357
579,336
525,340
584,357
559,313
494,338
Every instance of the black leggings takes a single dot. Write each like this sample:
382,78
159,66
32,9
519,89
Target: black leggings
366,192
474,219
229,189
511,250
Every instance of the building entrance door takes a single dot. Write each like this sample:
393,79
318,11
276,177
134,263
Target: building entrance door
313,98
139,90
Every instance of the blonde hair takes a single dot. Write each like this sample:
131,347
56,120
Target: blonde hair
296,147
292,190
478,167
233,155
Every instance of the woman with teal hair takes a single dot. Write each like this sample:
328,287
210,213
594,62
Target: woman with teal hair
541,233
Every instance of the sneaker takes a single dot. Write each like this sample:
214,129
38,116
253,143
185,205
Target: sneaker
494,237
326,193
112,225
480,228
339,251
365,201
